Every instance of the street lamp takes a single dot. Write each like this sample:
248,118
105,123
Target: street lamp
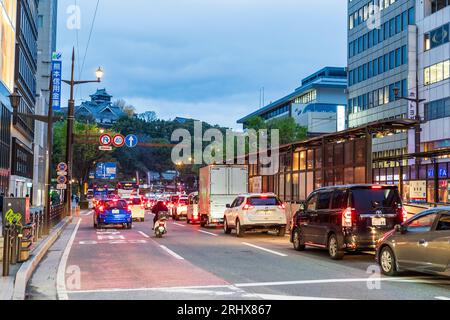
70,120
14,99
417,102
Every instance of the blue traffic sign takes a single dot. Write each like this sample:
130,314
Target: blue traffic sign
131,141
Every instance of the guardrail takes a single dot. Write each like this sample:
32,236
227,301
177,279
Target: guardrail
56,214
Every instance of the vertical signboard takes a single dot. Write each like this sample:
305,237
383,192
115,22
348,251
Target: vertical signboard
56,76
418,191
341,118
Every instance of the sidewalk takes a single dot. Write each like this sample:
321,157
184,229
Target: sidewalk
13,286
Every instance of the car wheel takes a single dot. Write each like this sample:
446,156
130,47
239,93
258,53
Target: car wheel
281,231
297,240
129,225
239,230
333,248
226,229
387,262
187,220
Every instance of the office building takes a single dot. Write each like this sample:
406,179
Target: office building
316,104
381,57
47,25
22,158
8,10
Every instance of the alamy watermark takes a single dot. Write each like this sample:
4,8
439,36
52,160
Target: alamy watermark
229,149
74,17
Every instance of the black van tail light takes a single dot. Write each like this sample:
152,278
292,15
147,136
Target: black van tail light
402,214
348,217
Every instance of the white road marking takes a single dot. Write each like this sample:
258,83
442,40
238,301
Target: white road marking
264,249
237,288
144,234
322,281
150,289
61,290
210,233
87,214
180,225
173,254
443,298
283,297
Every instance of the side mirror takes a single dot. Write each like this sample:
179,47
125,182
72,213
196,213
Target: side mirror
400,229
228,206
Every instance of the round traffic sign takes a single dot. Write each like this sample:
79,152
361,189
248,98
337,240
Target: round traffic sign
105,140
131,140
118,140
62,179
62,166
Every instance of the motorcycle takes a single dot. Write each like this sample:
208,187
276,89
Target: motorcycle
161,224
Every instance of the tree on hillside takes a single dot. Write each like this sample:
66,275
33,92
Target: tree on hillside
289,130
128,109
148,116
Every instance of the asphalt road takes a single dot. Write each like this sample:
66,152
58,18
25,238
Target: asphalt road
194,263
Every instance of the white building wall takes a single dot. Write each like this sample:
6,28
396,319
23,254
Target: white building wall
438,129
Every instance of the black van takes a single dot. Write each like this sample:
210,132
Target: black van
347,218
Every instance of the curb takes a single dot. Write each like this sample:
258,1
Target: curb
26,270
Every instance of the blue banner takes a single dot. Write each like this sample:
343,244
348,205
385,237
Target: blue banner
56,76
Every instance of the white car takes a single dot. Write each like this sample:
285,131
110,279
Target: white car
192,209
179,209
255,212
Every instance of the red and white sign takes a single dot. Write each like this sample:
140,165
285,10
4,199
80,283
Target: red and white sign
105,140
118,141
105,148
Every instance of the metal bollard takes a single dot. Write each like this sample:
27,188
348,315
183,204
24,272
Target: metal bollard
6,251
14,246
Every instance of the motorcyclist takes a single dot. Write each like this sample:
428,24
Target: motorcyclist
159,207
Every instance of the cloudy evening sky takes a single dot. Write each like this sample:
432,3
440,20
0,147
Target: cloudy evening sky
203,59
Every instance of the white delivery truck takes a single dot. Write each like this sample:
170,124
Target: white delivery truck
219,185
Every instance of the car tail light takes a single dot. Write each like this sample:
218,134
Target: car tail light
377,187
101,209
347,217
247,207
282,206
402,214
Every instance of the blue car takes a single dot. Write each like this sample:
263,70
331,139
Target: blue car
113,212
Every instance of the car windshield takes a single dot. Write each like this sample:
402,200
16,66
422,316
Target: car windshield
263,201
118,204
369,199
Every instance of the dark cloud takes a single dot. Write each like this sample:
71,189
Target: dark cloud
180,56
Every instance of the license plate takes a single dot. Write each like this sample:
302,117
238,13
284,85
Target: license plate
378,222
115,211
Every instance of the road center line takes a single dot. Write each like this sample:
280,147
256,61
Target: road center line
144,234
180,225
173,254
210,233
264,249
61,290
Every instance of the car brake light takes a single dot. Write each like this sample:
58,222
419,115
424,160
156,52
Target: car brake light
247,207
347,217
402,214
282,206
377,187
101,209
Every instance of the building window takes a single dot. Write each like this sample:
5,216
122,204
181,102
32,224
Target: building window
437,109
437,5
437,72
436,37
